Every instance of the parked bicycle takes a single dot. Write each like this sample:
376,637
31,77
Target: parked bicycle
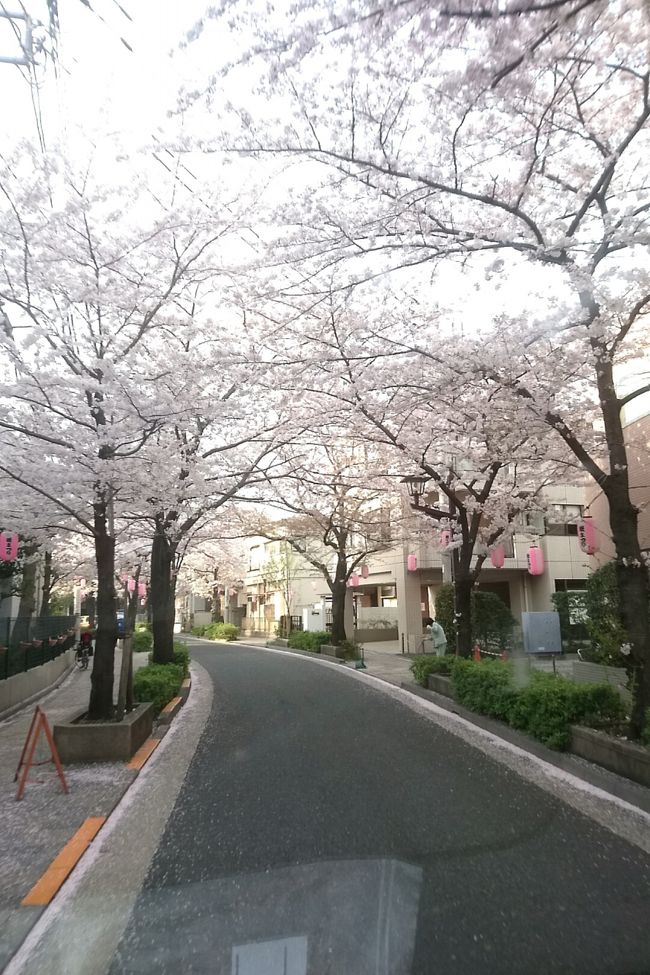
82,657
84,651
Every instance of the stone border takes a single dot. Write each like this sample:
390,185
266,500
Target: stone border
623,757
312,654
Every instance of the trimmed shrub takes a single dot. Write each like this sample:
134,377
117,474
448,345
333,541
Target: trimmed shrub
182,657
351,650
221,631
425,665
142,641
302,640
143,626
157,683
548,706
198,630
485,687
492,621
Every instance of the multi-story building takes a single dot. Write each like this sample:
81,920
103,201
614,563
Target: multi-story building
390,601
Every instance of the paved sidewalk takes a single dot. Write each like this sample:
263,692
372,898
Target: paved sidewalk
382,659
385,660
36,828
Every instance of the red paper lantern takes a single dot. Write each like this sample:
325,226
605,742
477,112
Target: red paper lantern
142,589
354,580
130,585
412,563
365,571
8,546
587,535
535,560
498,556
445,538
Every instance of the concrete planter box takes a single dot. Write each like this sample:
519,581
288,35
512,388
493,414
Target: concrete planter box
109,741
440,684
622,757
329,650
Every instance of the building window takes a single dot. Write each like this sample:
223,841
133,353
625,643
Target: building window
562,519
388,596
566,585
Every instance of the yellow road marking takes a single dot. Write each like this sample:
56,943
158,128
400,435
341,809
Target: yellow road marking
44,889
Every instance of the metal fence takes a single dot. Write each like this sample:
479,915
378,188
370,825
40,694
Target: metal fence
29,641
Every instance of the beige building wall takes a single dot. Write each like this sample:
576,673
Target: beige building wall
637,439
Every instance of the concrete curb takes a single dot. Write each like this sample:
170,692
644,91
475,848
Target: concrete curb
157,733
103,884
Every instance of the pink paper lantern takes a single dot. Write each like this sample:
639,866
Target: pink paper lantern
412,563
142,589
535,560
365,571
354,580
498,556
8,546
130,585
445,538
587,535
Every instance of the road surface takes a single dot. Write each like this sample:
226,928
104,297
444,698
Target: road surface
326,828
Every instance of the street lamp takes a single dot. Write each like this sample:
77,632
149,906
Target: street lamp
415,485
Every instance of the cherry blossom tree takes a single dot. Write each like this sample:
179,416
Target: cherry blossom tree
510,137
337,509
88,278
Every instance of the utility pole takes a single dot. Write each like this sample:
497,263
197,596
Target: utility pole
23,37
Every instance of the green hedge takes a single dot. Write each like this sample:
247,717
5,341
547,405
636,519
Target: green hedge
426,664
302,640
485,687
221,631
198,630
158,683
545,708
548,706
142,641
181,658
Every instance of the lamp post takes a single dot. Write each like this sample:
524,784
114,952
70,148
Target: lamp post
415,485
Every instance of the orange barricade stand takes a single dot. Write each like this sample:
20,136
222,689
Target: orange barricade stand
38,723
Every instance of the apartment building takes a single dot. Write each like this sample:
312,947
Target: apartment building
391,600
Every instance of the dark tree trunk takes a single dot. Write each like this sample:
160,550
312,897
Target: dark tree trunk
631,571
339,592
125,694
22,628
634,599
463,614
27,605
162,592
48,583
101,679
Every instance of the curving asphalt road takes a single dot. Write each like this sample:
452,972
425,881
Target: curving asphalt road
325,828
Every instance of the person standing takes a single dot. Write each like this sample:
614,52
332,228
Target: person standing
437,636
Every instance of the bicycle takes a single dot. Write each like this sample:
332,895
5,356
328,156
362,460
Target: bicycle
82,657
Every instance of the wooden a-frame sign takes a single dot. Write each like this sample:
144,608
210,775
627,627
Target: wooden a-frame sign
39,723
